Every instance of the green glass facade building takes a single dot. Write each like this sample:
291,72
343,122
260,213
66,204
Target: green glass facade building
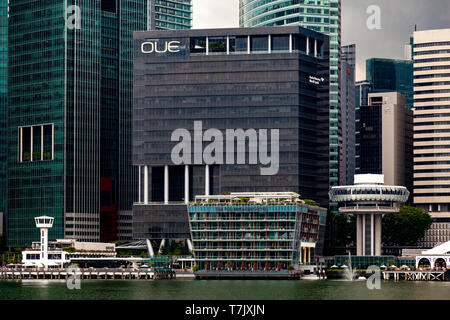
169,14
390,75
318,15
69,117
3,104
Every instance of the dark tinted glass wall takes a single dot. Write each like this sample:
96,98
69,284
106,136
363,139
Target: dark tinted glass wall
371,140
239,90
388,75
3,103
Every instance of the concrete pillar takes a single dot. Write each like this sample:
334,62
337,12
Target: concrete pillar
315,47
309,254
139,184
301,255
359,244
378,221
146,184
207,180
307,46
186,184
166,184
363,226
291,45
372,235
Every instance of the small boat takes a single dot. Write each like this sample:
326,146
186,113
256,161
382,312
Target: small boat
310,277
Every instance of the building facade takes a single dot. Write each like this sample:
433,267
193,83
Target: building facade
318,15
3,107
70,117
255,231
432,130
348,111
386,145
390,75
169,14
248,86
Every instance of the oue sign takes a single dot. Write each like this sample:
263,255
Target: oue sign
160,47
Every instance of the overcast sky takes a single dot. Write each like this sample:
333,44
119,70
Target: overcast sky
398,18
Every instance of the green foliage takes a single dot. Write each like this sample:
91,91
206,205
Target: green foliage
290,268
172,248
405,227
69,249
311,202
344,230
195,268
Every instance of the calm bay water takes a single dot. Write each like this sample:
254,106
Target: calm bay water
223,289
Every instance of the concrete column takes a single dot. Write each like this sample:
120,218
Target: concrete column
359,251
315,47
139,184
186,184
307,46
372,235
291,44
207,180
309,254
301,255
378,221
269,45
166,184
146,184
363,225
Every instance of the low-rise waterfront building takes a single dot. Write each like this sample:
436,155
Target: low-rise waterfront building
255,231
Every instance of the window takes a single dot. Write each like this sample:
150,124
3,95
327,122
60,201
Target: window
36,143
280,43
218,45
259,43
198,45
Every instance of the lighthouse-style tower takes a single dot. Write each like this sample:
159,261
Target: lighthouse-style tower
44,223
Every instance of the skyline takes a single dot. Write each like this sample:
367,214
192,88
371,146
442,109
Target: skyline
388,42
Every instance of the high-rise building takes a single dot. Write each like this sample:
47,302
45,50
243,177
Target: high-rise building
348,110
318,15
240,84
432,130
386,145
169,14
390,75
70,116
3,107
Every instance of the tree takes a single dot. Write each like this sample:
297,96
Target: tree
312,203
344,232
406,227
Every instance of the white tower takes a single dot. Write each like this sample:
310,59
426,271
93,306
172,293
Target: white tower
369,199
44,223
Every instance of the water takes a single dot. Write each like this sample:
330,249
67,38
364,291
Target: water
223,290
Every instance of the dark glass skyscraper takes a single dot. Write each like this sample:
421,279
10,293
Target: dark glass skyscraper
3,103
390,75
247,79
70,116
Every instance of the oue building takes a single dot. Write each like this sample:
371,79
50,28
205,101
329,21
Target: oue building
369,199
227,110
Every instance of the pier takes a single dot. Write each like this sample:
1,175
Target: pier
417,275
84,274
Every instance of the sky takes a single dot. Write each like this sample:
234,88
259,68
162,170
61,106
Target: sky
397,20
